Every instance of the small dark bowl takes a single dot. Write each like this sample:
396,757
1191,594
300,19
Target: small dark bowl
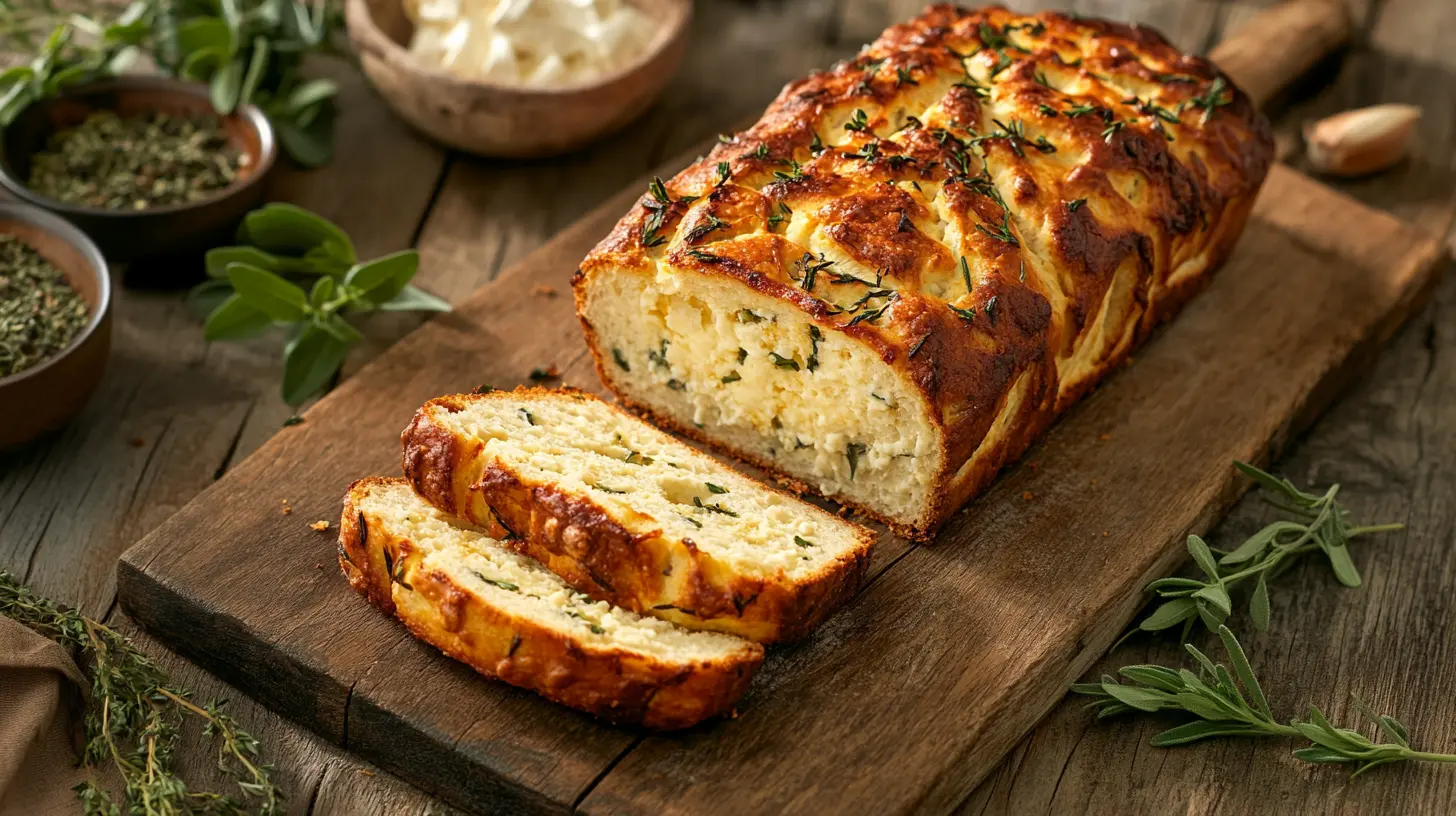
129,235
44,396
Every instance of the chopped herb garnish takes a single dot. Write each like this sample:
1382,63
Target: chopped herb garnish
544,374
1079,110
966,273
814,337
705,226
713,508
1211,99
815,145
742,355
712,488
783,362
1075,204
732,377
858,122
1112,129
780,216
804,542
1041,79
620,359
695,523
526,415
760,152
748,316
853,452
705,257
991,309
1046,110
968,315
659,357
809,269
606,489
506,585
794,173
727,138
903,77
916,348
676,385
870,317
724,171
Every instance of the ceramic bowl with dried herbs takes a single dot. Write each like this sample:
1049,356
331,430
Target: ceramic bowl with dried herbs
55,321
142,164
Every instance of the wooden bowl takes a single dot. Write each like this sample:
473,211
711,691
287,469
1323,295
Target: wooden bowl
511,120
46,395
173,230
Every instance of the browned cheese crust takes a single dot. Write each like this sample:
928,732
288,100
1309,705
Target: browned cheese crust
579,540
613,683
1084,179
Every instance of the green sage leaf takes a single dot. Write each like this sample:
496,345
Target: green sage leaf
1203,556
285,229
203,33
235,319
205,297
1343,565
1244,671
322,292
1259,605
1202,729
380,280
1259,542
309,362
217,260
227,84
256,66
413,299
1169,614
1218,597
310,94
1140,698
276,297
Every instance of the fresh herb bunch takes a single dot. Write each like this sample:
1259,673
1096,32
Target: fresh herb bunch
133,717
245,50
1224,709
261,284
1319,523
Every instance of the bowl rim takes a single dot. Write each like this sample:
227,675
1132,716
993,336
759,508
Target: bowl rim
397,55
249,113
61,228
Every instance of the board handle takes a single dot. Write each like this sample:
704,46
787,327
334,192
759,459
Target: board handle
1280,43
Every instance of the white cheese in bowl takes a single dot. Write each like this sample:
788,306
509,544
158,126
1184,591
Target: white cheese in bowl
529,42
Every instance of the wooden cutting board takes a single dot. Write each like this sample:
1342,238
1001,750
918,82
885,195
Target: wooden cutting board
901,701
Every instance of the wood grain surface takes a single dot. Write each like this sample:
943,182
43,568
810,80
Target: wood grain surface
173,415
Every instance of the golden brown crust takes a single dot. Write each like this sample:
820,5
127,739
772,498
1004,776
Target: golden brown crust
613,683
582,542
1090,176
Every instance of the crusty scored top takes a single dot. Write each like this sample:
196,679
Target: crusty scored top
962,195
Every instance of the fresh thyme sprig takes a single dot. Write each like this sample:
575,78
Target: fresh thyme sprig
1225,709
1319,524
133,718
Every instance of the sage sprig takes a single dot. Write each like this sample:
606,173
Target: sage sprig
1318,524
1232,703
244,50
132,720
298,270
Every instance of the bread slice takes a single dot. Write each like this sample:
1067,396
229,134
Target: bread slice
508,617
628,514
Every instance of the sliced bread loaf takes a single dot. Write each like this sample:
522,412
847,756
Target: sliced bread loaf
505,615
628,514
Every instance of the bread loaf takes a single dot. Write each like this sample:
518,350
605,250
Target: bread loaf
508,617
893,282
627,514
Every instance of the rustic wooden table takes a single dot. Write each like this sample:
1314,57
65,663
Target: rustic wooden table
174,413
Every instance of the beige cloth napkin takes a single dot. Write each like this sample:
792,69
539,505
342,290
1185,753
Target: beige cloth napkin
40,695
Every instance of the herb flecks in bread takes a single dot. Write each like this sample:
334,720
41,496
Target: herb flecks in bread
506,615
630,515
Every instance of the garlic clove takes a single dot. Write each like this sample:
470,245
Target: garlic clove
1360,141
